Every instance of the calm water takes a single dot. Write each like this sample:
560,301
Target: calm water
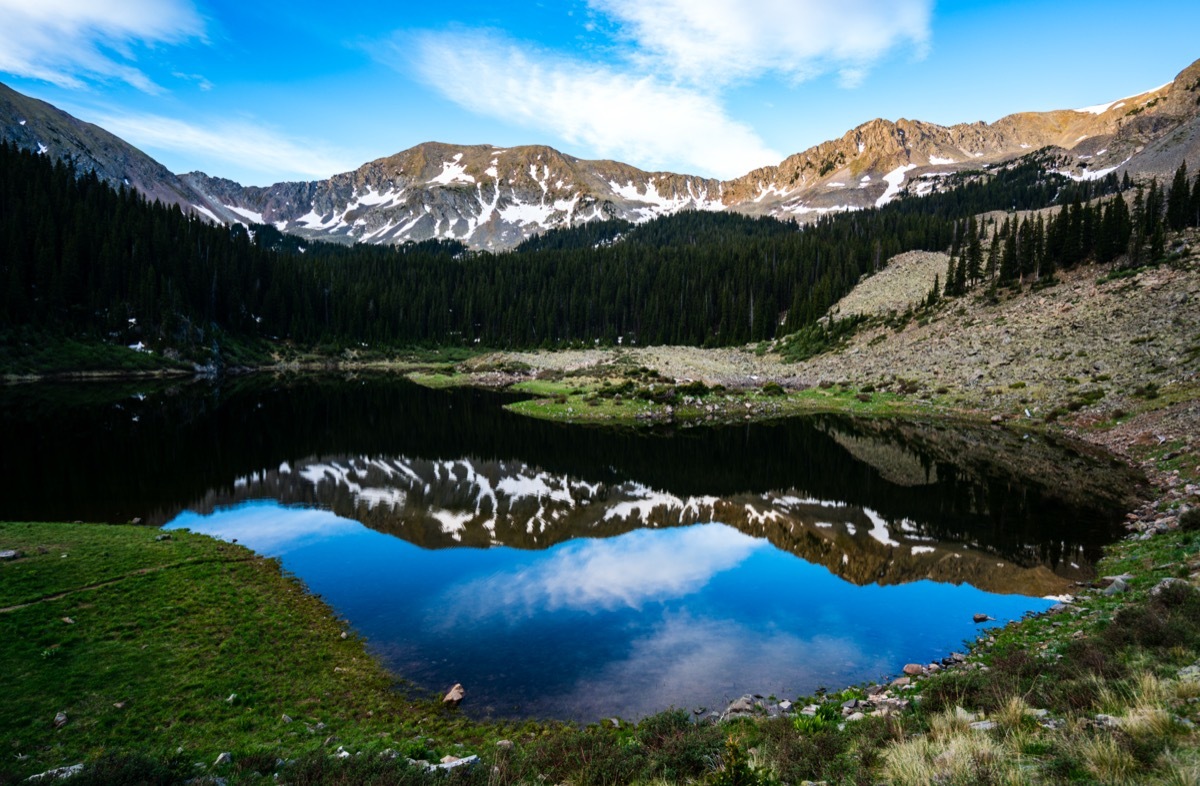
583,572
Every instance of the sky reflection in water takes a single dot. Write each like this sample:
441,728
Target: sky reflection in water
687,616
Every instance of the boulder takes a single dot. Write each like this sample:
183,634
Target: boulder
455,696
914,669
981,618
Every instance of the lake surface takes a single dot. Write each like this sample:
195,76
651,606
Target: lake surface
582,572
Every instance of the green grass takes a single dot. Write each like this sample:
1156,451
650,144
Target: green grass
162,634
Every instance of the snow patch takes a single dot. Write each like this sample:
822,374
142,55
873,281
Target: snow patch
249,215
938,160
205,211
453,172
894,179
1100,109
42,149
879,529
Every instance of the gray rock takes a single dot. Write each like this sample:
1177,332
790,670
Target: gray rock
740,708
985,725
12,554
56,773
1161,586
1118,586
223,759
785,705
856,716
914,669
286,718
981,618
60,720
505,745
1107,721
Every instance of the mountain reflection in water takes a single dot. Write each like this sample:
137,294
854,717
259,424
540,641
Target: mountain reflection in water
556,569
627,625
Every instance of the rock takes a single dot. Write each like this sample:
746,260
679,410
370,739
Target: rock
785,705
740,708
119,705
1161,586
986,725
164,536
857,716
958,657
849,705
1107,721
901,682
450,765
223,759
285,718
1037,713
981,618
1190,673
997,419
914,669
232,698
455,696
1118,586
68,621
7,555
345,635
60,720
56,773
504,745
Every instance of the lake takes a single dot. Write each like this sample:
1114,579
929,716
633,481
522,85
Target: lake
583,572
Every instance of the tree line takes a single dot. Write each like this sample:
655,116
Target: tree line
83,259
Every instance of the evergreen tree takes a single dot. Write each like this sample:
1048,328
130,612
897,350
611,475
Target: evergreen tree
993,256
1179,200
974,261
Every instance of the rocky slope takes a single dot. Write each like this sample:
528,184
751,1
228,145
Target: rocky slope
35,125
493,198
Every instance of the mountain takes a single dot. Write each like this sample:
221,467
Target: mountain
486,196
493,198
36,125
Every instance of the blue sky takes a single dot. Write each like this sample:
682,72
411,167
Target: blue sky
267,91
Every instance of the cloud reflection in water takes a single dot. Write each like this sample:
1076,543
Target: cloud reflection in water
628,572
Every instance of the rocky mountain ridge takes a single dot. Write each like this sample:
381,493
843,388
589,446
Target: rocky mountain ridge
493,198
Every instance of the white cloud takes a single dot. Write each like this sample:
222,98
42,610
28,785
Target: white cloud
67,42
248,146
624,115
718,41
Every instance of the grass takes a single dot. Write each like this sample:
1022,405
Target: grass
185,647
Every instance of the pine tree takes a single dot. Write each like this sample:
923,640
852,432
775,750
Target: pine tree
993,257
1137,237
974,262
1179,200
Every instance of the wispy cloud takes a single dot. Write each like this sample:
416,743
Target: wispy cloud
71,42
616,113
249,146
720,41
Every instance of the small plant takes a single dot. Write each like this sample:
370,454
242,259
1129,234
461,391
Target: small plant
826,717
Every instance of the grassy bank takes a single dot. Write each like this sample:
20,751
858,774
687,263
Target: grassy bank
180,649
